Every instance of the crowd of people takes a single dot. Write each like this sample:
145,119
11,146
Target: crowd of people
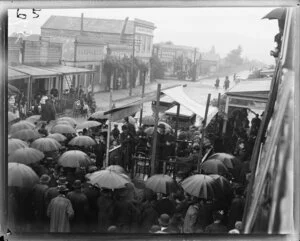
65,201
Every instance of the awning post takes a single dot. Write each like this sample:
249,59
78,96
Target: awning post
153,156
143,92
109,125
226,115
177,120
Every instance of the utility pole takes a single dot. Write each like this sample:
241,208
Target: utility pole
132,64
195,66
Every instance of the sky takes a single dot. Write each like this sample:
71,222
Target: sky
224,28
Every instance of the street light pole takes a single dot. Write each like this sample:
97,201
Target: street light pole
132,64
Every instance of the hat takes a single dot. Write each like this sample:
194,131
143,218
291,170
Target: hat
62,181
154,229
44,179
112,229
62,188
161,126
238,225
92,168
77,184
164,219
196,146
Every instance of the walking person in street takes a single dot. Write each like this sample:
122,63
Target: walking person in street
217,84
226,83
60,211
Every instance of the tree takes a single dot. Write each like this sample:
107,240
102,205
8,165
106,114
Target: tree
157,68
234,56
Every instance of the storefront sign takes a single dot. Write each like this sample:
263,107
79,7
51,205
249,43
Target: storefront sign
143,30
89,53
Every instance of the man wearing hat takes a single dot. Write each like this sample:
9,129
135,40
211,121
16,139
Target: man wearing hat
60,211
81,207
38,198
116,132
160,145
164,221
217,226
53,192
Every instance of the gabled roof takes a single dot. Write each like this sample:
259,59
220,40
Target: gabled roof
89,24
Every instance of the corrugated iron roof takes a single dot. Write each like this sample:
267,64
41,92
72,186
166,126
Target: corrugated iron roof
34,71
89,24
66,69
14,74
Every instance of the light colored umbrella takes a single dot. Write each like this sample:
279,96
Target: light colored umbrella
21,125
199,185
74,159
20,175
84,141
57,136
149,131
63,129
214,166
26,135
71,120
108,179
116,168
131,120
99,115
89,124
168,127
148,120
15,144
11,116
63,122
229,161
159,183
46,144
33,118
26,156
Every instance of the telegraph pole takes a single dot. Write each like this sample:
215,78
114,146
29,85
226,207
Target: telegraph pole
195,67
132,64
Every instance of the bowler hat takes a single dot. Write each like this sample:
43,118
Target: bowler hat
62,181
44,179
164,219
62,188
77,184
92,169
161,126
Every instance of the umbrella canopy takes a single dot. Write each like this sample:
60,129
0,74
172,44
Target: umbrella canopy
149,131
160,183
63,122
20,175
26,135
63,129
74,159
57,136
33,118
108,179
116,168
89,124
199,185
148,120
11,116
26,156
214,166
15,144
222,184
165,124
12,90
277,13
99,115
21,125
46,144
229,161
84,141
71,120
131,120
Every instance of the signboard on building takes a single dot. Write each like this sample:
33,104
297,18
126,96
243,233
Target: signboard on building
143,30
89,53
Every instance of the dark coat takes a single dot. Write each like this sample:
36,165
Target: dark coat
165,206
100,150
38,200
105,213
216,228
236,211
149,217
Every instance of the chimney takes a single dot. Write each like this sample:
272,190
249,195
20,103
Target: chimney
81,27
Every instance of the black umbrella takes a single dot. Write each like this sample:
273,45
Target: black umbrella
12,90
277,13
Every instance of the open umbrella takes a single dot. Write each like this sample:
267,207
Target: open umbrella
11,116
149,131
26,135
57,136
89,124
46,144
168,127
199,185
15,144
222,184
63,122
74,159
116,168
33,118
160,183
20,175
84,141
277,13
108,179
230,161
26,156
63,129
21,125
214,166
148,120
71,120
12,90
99,115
